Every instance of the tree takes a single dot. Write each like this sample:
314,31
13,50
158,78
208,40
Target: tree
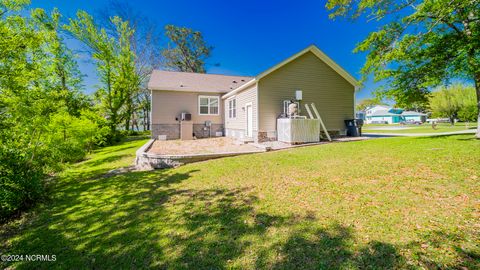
454,102
145,42
115,64
68,79
39,85
187,50
422,44
368,102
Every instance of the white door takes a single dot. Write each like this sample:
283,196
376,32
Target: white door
249,116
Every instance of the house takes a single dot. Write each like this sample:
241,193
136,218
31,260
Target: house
360,115
247,108
382,114
414,116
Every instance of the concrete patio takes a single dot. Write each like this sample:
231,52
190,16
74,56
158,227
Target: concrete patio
156,154
206,146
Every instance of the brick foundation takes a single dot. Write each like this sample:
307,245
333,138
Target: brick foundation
201,131
171,130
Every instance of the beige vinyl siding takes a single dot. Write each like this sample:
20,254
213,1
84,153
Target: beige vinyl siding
167,105
331,93
246,96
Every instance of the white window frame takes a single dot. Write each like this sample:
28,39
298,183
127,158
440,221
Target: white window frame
209,97
232,111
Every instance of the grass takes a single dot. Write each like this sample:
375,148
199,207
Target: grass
425,128
377,204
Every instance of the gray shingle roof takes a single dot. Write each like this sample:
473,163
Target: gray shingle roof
383,113
195,82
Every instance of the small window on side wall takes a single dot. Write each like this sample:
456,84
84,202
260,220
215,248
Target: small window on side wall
208,105
232,108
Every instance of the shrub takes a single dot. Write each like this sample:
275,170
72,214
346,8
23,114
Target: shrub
20,181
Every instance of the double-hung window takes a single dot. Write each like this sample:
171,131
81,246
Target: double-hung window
232,108
208,105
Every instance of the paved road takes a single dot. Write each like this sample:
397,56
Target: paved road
373,134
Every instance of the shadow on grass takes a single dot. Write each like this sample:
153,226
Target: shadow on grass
460,137
116,148
473,138
101,161
466,254
150,220
147,220
331,248
95,222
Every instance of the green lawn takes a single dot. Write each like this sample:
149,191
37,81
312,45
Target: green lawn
425,128
379,204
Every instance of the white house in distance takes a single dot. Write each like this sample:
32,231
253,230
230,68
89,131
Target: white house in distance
382,114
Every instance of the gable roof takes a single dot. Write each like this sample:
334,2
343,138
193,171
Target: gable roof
313,49
321,55
384,113
195,82
378,106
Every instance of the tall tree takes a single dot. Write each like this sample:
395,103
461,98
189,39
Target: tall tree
115,64
454,102
187,50
68,78
422,44
145,42
39,82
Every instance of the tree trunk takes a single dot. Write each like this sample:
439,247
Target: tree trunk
452,120
144,120
127,123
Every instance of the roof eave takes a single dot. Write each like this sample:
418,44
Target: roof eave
245,86
186,90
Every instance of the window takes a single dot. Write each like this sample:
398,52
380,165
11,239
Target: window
208,105
286,103
232,108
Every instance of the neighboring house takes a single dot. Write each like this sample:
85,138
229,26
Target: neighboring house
360,115
414,116
247,108
382,114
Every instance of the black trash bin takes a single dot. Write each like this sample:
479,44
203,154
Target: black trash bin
359,123
352,130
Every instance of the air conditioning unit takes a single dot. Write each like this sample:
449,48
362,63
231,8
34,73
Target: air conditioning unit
186,116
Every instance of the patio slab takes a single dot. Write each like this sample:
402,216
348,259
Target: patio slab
200,147
167,154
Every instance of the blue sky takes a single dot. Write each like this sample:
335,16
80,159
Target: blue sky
248,36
